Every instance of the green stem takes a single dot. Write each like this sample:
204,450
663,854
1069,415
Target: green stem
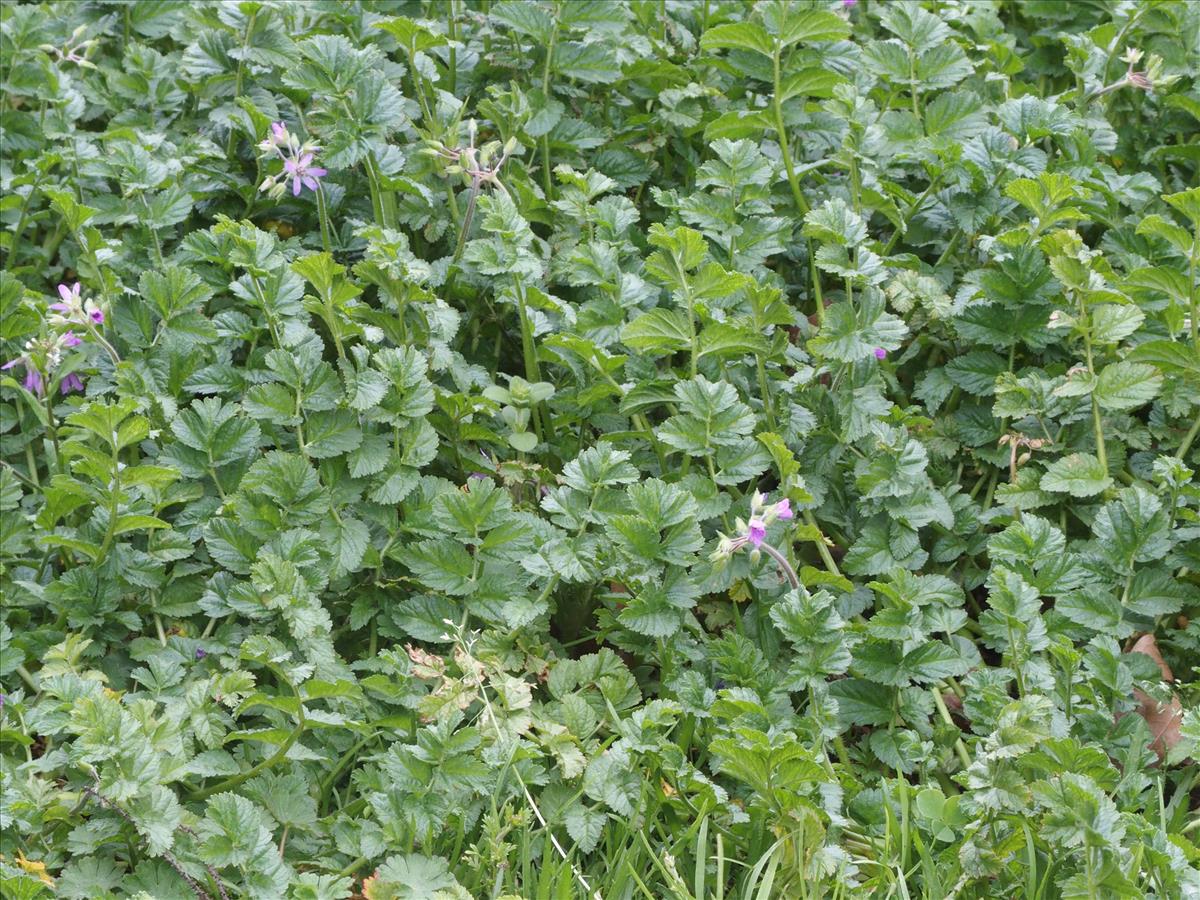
466,222
20,226
333,327
802,206
339,766
963,756
354,866
640,422
373,190
52,430
781,133
110,531
237,84
29,680
1188,438
822,549
784,565
912,211
277,757
1195,289
452,31
1097,422
547,180
768,411
153,232
533,372
323,217
912,78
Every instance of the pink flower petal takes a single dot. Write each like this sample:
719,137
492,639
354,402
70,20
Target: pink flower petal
70,339
98,316
310,182
756,532
783,509
290,166
296,186
305,160
60,307
65,292
13,362
318,172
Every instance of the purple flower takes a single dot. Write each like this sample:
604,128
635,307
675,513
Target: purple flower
756,532
880,353
849,3
783,509
302,172
71,382
70,339
478,475
70,295
279,132
33,380
72,309
200,654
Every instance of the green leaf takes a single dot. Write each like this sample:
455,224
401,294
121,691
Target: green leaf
599,466
1127,385
1080,475
331,433
1113,322
1188,203
524,18
807,25
591,63
610,779
1133,528
884,662
853,331
660,331
440,565
712,417
128,522
726,340
835,222
738,36
217,432
812,82
415,877
1171,358
976,371
656,611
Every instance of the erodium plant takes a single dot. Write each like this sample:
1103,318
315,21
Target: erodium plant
684,449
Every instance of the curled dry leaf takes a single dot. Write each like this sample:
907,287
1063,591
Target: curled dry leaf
1164,719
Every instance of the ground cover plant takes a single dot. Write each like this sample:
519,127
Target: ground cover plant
661,449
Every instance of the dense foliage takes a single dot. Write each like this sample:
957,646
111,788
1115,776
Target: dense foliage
687,449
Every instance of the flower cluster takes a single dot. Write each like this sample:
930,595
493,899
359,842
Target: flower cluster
74,50
297,159
762,514
44,354
73,309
